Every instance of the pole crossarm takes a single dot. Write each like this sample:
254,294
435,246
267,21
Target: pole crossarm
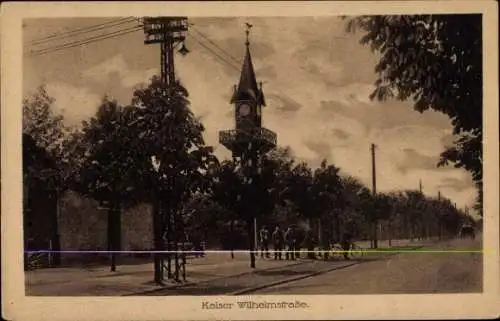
156,29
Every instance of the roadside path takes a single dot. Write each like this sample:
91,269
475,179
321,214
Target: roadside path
262,278
217,271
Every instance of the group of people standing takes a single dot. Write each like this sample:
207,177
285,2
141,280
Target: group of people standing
281,241
289,241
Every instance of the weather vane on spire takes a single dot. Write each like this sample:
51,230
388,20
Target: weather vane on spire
249,26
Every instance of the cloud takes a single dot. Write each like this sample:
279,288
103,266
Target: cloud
322,149
447,140
413,159
74,103
317,81
118,66
455,184
339,133
282,103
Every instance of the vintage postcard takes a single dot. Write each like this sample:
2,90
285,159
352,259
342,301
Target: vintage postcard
250,160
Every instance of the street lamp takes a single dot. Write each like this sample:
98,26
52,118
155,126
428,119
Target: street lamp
183,50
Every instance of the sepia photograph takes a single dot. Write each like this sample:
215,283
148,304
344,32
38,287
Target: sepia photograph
245,155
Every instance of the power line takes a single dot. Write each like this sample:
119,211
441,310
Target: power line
85,41
215,45
121,32
223,51
82,30
108,24
215,53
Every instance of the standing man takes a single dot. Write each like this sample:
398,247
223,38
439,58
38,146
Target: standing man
299,237
290,244
264,241
346,244
309,244
277,242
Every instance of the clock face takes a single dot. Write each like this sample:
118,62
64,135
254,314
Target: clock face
244,110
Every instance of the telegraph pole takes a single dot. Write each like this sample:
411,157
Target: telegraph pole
374,191
420,185
168,32
440,217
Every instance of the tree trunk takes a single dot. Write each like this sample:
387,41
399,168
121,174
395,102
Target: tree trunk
231,237
118,230
110,239
389,233
250,228
158,241
56,242
168,217
114,231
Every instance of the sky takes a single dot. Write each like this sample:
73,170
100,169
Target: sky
316,79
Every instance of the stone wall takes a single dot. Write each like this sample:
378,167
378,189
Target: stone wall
83,226
137,228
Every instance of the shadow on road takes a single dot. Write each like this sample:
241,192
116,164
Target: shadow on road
374,258
283,272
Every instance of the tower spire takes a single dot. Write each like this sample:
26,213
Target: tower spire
247,87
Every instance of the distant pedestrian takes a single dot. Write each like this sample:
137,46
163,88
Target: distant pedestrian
197,244
264,241
346,243
298,242
290,240
309,244
277,242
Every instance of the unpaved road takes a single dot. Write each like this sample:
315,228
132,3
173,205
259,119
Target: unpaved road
404,273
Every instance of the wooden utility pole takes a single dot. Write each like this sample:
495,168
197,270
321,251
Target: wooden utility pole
168,32
374,191
440,217
420,185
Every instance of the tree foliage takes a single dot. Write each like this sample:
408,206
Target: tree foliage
172,136
114,165
154,149
45,138
42,124
436,62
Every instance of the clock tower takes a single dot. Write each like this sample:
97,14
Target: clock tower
248,141
248,98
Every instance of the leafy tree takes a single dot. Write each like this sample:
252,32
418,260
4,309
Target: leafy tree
38,167
46,157
42,124
202,216
172,136
227,190
352,219
478,206
325,193
299,182
383,207
435,61
274,169
114,169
